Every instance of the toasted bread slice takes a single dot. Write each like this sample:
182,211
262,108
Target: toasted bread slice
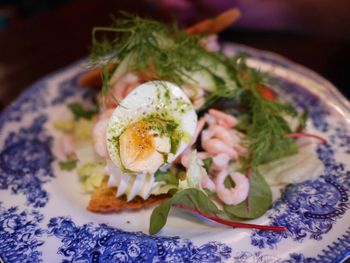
104,200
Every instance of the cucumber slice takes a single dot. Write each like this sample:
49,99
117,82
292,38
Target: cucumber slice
213,77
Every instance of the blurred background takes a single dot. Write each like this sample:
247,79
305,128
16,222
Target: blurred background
41,36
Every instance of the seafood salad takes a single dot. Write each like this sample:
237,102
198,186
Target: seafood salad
179,124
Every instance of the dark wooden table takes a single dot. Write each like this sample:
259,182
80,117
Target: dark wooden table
33,48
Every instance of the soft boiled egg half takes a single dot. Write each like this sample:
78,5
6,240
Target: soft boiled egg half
146,132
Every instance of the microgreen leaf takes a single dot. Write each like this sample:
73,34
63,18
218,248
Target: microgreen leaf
169,177
207,163
79,112
228,182
68,165
302,120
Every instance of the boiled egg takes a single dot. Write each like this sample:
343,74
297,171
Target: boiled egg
150,128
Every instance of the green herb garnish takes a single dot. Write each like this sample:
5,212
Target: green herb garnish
207,163
169,177
79,112
68,165
164,52
268,130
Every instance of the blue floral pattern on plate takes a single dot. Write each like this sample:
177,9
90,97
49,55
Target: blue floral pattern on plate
20,235
310,210
102,243
25,162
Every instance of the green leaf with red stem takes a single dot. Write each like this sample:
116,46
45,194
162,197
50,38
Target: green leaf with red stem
191,197
197,201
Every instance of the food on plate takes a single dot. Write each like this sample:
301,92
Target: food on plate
180,124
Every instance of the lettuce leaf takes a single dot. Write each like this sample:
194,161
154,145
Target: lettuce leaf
194,174
91,176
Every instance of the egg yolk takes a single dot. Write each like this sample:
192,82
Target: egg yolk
141,148
139,141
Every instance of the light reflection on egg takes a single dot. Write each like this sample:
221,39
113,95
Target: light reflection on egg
147,131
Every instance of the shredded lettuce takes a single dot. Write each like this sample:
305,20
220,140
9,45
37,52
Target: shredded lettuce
164,189
91,176
65,126
83,129
194,174
68,165
85,152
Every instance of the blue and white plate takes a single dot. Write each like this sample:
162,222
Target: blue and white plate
43,216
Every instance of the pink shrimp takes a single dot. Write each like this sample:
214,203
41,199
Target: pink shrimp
185,157
210,119
106,114
199,128
198,102
223,118
224,135
195,94
240,150
99,133
220,161
203,155
65,146
234,195
207,183
215,146
210,43
206,135
121,88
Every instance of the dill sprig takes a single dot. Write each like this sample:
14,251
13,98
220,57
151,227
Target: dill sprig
267,131
262,119
247,77
147,45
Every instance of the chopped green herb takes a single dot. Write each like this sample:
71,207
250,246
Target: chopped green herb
302,120
68,165
207,163
168,177
79,112
244,121
209,192
228,182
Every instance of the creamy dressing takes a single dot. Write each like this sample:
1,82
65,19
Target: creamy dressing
131,185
